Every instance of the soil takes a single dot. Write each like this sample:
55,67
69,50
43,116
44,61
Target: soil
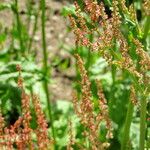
57,38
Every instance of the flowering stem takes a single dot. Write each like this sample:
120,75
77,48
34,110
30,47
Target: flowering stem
127,125
45,67
144,101
142,123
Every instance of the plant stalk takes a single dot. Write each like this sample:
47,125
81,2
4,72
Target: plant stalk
142,123
146,28
34,31
126,132
19,27
29,11
45,67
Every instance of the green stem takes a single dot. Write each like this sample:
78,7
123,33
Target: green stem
34,31
146,28
29,11
126,132
45,66
19,27
142,123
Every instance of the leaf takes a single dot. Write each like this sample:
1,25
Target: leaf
2,37
4,6
68,10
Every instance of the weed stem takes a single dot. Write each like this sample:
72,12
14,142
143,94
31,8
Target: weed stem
19,27
45,66
142,123
127,125
146,27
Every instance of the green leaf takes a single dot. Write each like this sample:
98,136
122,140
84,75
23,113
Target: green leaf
4,6
2,37
68,10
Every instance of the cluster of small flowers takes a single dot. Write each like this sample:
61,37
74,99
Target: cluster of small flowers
144,56
11,135
133,96
2,123
146,6
144,61
132,13
20,133
26,131
41,131
104,111
85,110
71,137
107,31
110,41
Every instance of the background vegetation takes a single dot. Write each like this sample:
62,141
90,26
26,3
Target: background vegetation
97,50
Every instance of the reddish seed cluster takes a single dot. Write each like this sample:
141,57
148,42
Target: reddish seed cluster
106,31
146,6
20,133
133,96
93,9
104,114
144,56
148,119
10,135
41,131
27,118
2,123
132,13
113,46
20,79
71,137
85,110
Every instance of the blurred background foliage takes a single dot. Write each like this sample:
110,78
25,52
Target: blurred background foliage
17,46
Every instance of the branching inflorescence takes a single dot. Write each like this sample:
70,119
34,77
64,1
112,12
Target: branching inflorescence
107,33
112,44
20,133
85,110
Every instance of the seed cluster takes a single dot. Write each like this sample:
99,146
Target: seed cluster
115,47
85,110
107,31
20,133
